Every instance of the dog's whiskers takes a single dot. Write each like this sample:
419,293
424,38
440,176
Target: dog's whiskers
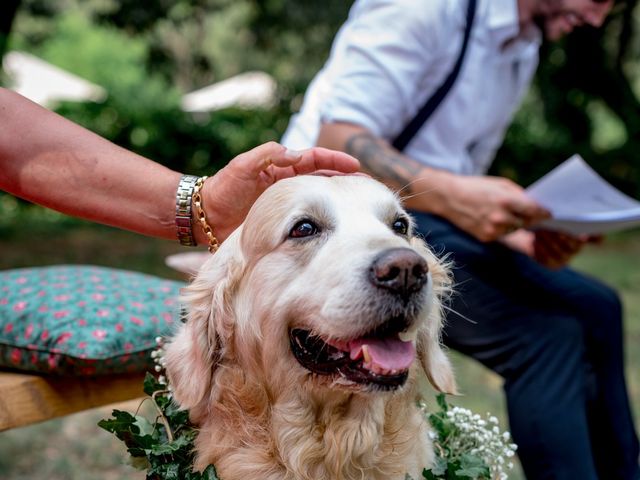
417,194
401,189
321,351
407,197
449,309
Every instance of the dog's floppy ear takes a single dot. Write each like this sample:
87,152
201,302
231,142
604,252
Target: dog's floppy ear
435,362
432,357
194,352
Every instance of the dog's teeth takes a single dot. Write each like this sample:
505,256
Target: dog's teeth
408,336
366,354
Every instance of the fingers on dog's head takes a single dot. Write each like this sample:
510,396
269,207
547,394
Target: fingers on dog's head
204,339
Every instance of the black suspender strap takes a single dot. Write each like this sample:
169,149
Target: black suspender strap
410,130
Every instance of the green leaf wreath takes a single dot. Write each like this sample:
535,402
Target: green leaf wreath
164,447
467,447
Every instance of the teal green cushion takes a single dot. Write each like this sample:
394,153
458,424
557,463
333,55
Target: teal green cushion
83,320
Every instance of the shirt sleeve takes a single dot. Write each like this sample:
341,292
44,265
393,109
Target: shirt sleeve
380,59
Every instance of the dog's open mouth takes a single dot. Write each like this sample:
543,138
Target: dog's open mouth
380,359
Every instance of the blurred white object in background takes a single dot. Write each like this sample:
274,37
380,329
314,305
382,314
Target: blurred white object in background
45,83
247,90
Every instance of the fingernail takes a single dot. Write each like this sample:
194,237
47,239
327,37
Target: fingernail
293,153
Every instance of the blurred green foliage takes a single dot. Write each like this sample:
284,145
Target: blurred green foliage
147,54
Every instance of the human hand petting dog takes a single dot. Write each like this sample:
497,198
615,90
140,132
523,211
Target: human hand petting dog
231,192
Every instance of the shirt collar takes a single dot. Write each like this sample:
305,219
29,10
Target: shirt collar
502,14
502,21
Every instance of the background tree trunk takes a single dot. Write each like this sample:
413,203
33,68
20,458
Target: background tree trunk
8,9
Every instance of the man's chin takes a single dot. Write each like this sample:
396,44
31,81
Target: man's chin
553,28
555,32
554,35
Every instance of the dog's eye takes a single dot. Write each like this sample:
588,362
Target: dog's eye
304,228
400,226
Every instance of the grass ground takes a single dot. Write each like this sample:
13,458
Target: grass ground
74,448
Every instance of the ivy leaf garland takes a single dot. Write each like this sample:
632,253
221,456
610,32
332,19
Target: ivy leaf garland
165,448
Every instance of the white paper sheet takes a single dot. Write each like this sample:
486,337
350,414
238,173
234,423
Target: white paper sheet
581,201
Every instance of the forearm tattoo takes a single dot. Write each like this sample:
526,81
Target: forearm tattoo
382,160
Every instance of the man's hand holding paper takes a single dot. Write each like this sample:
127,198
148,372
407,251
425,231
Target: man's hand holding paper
581,202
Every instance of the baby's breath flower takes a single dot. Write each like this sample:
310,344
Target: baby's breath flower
461,433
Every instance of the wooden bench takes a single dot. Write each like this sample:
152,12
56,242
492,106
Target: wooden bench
27,399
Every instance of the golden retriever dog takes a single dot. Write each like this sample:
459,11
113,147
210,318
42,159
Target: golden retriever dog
305,334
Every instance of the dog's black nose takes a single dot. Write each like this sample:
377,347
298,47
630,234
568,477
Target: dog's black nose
399,270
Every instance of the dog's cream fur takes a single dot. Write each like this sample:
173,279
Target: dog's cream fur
261,414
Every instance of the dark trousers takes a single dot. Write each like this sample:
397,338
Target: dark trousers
555,336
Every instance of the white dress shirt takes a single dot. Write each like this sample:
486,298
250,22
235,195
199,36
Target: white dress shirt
391,55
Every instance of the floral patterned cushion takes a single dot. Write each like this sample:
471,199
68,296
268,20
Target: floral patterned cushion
83,320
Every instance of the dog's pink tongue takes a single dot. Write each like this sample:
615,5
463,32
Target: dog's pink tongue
388,354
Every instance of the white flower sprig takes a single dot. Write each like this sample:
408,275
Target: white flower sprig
469,444
158,358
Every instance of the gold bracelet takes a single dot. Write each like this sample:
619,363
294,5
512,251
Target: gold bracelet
201,216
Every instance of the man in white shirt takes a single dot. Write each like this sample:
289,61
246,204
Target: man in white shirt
554,335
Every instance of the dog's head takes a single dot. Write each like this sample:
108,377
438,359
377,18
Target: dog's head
324,286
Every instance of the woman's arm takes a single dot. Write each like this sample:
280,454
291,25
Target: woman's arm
51,161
